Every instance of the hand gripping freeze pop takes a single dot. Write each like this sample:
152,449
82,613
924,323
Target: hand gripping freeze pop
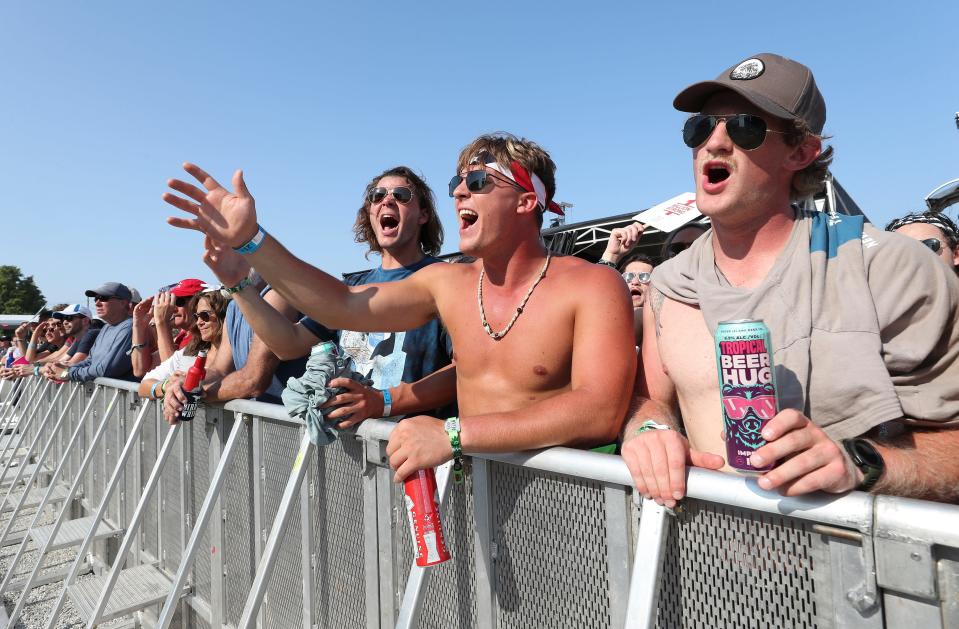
191,387
423,510
747,388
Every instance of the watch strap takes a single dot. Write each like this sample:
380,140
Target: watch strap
870,472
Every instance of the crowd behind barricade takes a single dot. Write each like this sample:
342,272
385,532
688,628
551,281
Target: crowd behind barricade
515,348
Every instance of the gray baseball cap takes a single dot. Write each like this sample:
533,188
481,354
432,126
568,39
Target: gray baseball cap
110,289
779,86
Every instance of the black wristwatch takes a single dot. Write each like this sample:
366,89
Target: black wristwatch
865,456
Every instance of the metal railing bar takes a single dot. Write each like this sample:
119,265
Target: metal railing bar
418,580
11,402
26,460
650,553
33,477
203,518
128,448
141,508
277,532
64,510
21,435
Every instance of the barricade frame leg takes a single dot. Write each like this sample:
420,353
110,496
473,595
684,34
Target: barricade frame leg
65,509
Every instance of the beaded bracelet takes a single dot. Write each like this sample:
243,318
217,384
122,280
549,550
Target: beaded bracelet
452,427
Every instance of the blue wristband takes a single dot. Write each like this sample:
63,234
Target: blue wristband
387,403
254,243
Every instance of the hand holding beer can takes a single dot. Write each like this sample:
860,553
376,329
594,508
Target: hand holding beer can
747,388
192,388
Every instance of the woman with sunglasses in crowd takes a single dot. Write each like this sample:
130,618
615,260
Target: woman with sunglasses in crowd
209,311
635,267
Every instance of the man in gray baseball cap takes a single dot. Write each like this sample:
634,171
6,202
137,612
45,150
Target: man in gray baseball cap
863,335
108,356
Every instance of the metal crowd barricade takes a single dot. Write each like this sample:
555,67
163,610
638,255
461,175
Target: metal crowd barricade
546,539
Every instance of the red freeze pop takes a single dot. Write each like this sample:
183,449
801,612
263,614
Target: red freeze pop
422,507
191,387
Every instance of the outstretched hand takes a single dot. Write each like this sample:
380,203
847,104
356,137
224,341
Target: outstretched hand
228,265
227,217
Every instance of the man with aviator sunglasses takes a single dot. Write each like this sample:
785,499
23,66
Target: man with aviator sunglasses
541,343
863,327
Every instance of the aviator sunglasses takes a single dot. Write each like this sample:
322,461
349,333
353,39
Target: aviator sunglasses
205,315
747,131
933,243
476,180
642,278
401,193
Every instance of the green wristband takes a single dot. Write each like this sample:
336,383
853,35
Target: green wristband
452,427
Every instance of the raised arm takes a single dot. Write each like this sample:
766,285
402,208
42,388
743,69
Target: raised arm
230,218
282,335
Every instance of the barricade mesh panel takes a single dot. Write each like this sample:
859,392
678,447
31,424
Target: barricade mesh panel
283,605
110,447
95,469
171,516
730,567
239,560
544,575
450,599
336,513
129,485
201,432
149,537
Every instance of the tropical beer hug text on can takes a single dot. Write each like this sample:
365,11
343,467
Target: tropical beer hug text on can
747,388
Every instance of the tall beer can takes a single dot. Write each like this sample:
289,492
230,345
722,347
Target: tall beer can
192,388
423,510
747,388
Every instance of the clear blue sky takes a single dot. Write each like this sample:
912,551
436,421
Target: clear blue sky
100,103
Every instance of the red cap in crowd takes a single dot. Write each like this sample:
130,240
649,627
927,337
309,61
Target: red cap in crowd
189,287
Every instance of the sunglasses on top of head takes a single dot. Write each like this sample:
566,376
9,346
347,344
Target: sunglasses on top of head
747,131
477,180
401,193
205,315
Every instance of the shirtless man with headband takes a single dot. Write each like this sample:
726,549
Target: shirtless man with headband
541,344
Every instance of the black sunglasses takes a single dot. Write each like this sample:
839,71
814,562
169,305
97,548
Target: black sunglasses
102,298
180,302
747,131
933,243
205,315
400,193
476,180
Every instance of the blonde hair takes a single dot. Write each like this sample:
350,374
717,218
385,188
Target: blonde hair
506,148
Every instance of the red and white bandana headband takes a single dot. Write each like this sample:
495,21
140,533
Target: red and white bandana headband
523,178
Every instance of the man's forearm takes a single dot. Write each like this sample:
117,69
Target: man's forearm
278,332
921,464
642,410
164,340
434,391
573,418
305,287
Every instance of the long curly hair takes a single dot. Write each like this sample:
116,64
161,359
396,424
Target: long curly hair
431,232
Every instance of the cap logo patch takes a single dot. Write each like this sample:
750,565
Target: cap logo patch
748,69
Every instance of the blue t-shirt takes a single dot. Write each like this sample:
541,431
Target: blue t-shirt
241,338
388,358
